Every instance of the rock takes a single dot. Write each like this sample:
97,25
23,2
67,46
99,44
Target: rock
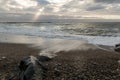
43,58
57,72
119,62
3,57
117,45
117,48
31,69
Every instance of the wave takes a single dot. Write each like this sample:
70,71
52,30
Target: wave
103,34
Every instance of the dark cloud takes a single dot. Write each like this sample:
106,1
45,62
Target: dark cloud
95,7
48,9
42,2
107,1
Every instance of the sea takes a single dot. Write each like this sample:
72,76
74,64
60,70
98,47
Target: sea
102,33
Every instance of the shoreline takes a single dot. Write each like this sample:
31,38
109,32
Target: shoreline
30,39
84,61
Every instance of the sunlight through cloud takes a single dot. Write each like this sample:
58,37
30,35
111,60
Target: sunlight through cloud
37,14
33,9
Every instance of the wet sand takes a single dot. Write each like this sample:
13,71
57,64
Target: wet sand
100,63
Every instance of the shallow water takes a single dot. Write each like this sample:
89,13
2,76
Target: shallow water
48,47
97,33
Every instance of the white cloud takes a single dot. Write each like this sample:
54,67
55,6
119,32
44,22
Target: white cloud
21,5
107,1
75,8
13,5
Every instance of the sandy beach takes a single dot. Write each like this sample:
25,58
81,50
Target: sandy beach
94,63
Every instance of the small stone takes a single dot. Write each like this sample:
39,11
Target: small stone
43,58
117,48
117,69
0,59
118,61
117,45
3,57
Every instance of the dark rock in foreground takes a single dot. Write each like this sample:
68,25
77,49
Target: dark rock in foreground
30,69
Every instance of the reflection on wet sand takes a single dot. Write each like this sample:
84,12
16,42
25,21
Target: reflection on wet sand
48,47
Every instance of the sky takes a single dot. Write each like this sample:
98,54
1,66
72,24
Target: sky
34,10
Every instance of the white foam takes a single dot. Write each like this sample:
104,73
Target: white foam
52,46
101,40
48,32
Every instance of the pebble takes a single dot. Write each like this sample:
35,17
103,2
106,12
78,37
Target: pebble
3,57
0,59
118,61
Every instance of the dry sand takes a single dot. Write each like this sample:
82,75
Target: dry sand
100,63
84,65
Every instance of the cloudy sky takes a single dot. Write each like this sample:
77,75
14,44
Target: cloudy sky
58,9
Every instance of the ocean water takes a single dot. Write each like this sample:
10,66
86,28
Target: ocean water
97,33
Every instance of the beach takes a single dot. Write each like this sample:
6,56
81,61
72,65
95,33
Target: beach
91,62
10,55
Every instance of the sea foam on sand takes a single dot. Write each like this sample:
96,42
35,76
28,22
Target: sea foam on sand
47,46
51,47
